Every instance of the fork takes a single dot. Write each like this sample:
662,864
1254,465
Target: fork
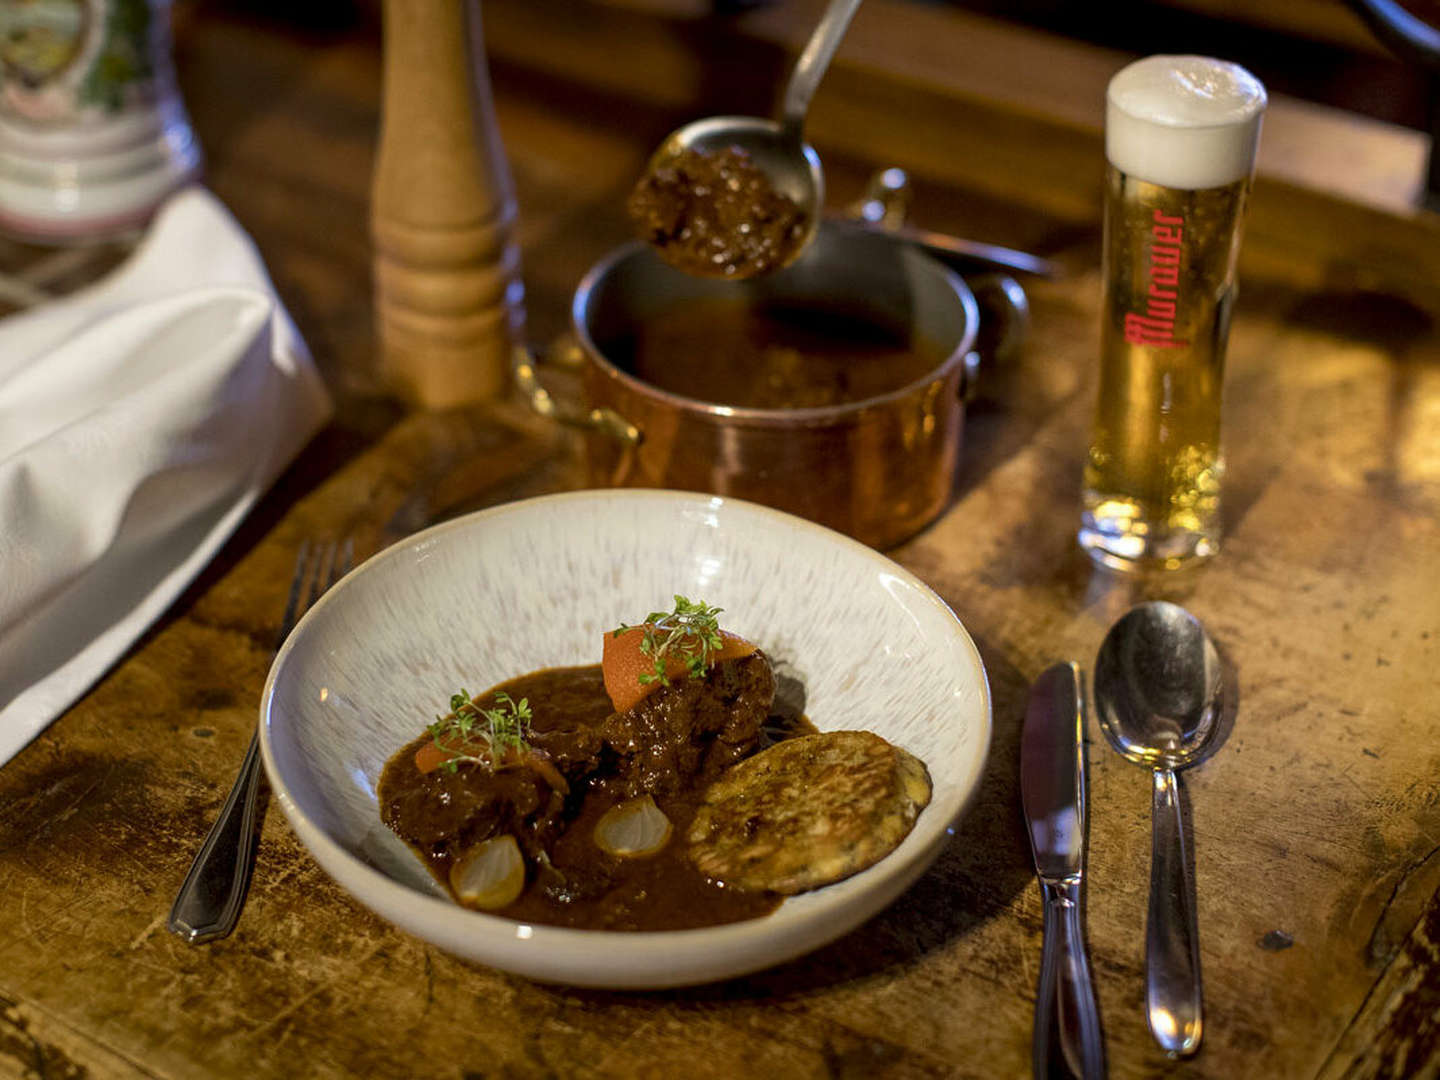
209,902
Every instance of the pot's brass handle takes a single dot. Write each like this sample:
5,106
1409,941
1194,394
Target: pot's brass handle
970,377
567,354
1004,322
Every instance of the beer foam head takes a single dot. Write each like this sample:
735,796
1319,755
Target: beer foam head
1183,121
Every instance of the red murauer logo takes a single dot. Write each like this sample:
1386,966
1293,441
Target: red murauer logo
1156,327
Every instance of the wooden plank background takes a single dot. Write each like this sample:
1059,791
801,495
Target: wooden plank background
1316,823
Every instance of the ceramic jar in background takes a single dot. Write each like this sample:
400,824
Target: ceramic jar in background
93,133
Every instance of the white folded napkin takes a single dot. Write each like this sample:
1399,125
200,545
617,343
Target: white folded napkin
140,419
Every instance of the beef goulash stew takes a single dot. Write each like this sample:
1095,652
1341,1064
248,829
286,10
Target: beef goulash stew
656,790
714,213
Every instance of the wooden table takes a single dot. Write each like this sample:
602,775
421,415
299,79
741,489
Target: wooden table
1317,823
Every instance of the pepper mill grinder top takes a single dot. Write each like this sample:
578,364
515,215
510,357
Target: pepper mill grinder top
448,293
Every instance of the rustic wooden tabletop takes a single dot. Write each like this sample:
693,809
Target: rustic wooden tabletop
1317,823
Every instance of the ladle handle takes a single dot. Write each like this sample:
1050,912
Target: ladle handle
1172,940
810,68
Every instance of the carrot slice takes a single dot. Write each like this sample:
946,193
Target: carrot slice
430,756
622,663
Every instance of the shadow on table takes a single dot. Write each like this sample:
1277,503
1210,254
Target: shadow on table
975,879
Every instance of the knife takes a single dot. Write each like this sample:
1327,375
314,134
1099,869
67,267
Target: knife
1067,1039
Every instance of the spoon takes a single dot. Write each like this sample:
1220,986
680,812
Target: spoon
778,147
1158,693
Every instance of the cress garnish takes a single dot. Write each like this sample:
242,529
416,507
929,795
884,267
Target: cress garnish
691,633
501,729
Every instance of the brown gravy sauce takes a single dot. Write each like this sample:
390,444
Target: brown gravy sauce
770,355
588,888
714,213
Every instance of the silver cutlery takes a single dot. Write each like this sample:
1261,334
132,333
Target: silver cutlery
1067,1037
1158,688
884,207
212,896
958,253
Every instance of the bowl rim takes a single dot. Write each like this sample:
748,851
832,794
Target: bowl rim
650,954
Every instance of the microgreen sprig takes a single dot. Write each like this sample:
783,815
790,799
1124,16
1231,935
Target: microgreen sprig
502,729
691,632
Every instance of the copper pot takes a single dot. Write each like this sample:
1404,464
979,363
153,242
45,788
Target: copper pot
878,469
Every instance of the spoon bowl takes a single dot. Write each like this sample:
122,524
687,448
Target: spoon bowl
1158,686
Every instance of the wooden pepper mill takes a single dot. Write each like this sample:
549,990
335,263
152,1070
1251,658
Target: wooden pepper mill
448,294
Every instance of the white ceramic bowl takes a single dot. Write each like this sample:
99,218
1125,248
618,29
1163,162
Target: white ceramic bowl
535,584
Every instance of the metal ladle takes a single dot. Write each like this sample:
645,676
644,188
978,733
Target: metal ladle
1159,691
778,147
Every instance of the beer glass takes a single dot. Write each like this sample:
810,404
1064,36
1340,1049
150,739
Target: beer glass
1180,140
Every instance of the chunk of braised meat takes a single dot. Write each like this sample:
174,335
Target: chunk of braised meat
690,730
529,794
445,813
566,725
574,751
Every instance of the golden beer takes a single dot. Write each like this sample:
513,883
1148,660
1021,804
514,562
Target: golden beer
1151,489
1152,476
